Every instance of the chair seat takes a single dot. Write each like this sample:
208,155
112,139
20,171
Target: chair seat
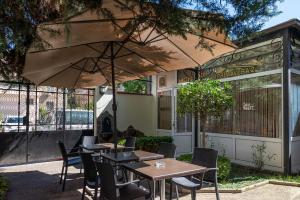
190,184
74,161
92,184
132,191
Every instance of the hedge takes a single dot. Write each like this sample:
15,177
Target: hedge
3,188
224,165
149,143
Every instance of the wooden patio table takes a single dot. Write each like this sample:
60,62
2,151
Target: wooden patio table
101,147
112,146
172,168
129,157
95,147
133,156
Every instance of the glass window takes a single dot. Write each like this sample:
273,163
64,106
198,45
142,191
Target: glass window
295,104
295,57
184,123
256,110
164,110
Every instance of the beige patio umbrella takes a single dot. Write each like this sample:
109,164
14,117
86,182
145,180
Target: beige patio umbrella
92,49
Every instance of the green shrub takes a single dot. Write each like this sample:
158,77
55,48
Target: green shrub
3,188
224,165
122,142
151,143
185,157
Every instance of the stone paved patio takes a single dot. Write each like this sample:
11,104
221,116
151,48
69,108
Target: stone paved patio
41,181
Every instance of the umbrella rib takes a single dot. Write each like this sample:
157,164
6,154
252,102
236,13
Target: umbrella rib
123,43
128,34
82,69
214,40
180,49
153,28
61,71
65,47
102,54
121,68
124,55
152,39
89,21
100,70
144,58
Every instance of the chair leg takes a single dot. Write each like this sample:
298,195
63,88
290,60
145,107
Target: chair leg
61,174
96,193
83,191
65,177
171,185
157,186
193,193
80,168
177,193
217,191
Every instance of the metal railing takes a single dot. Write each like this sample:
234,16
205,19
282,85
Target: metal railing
28,108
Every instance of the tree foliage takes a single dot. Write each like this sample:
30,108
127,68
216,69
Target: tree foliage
20,18
135,86
204,98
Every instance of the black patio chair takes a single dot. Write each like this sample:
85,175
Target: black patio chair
88,140
111,190
91,178
167,149
69,159
129,144
203,157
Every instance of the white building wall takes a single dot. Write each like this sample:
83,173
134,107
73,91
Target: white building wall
239,149
135,110
295,158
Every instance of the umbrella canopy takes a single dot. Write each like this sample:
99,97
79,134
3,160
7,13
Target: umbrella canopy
94,48
82,47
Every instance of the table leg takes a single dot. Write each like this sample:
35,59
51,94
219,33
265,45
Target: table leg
163,189
154,187
130,176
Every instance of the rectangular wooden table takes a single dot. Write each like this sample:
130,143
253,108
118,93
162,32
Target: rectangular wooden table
173,168
95,147
101,147
134,156
112,146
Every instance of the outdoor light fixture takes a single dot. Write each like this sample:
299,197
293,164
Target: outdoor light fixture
102,90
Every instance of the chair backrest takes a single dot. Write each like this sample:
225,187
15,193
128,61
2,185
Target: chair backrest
208,158
129,143
90,172
167,149
108,180
88,140
63,150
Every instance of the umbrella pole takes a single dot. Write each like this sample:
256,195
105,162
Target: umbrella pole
114,104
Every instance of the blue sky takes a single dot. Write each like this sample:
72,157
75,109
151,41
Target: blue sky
290,9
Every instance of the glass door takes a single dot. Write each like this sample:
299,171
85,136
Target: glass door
183,130
165,113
